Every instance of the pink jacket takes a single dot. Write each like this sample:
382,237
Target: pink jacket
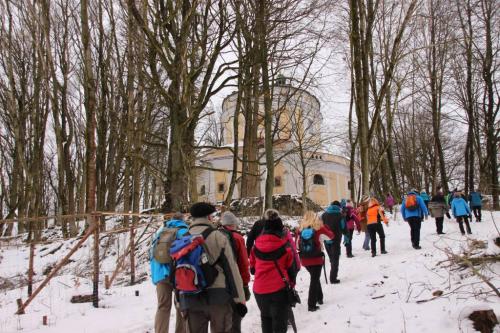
352,219
389,201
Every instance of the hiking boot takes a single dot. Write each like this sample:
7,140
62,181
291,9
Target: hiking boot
383,252
374,255
350,256
320,302
312,308
336,281
416,247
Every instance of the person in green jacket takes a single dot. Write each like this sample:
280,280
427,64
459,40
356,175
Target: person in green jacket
425,197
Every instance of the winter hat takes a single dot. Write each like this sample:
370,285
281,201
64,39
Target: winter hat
271,214
275,224
336,203
348,203
201,209
423,191
229,218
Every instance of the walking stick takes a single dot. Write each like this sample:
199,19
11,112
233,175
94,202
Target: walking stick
291,319
324,268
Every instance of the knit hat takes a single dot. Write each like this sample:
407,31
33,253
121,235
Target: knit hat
271,214
229,218
275,224
365,198
201,209
336,203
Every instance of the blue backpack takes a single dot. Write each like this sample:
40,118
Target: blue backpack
192,271
307,246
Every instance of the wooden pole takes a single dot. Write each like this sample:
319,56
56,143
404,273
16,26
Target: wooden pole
20,308
106,281
132,252
56,269
44,320
95,291
30,269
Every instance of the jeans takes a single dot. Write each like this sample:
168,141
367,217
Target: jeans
366,242
415,224
373,230
273,311
439,224
315,291
477,212
461,220
333,251
165,292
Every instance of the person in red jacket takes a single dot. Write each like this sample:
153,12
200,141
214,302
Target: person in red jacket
271,252
311,255
229,224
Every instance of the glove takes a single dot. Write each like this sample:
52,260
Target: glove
248,294
240,309
448,215
252,270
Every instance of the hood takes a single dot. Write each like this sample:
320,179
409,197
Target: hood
176,224
332,209
413,192
269,242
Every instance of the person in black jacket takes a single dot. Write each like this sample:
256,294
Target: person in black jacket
332,218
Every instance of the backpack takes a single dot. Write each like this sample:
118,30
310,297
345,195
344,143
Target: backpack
307,246
162,244
411,202
192,271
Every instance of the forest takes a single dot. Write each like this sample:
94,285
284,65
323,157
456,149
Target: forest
110,105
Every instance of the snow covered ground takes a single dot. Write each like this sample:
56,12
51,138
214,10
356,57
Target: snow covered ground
375,294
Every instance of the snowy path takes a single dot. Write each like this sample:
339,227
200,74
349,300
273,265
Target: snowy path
375,294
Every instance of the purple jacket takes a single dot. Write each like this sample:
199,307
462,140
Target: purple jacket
389,201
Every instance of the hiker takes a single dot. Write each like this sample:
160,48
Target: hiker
334,219
438,209
461,211
375,215
389,202
255,232
425,198
476,202
218,275
272,261
451,196
311,255
413,210
160,273
361,212
353,221
229,224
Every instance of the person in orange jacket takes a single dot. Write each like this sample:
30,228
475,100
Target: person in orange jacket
374,216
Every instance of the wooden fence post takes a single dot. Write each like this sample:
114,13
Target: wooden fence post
95,290
132,252
55,270
30,269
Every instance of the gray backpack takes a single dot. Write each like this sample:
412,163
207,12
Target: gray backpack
162,244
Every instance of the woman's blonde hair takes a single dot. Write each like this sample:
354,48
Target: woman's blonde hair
312,220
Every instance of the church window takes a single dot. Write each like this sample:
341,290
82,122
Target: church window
221,187
318,180
202,190
277,181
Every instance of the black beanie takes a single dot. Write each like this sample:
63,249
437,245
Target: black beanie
336,203
201,209
275,224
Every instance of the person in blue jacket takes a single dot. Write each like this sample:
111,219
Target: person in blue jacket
425,197
160,276
414,214
476,202
461,212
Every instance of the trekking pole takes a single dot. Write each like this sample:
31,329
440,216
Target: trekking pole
324,268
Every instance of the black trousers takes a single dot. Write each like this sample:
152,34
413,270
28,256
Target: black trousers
315,291
348,247
477,212
274,309
439,224
461,220
333,251
373,230
236,327
415,224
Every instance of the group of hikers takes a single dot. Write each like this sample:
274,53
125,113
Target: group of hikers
203,267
